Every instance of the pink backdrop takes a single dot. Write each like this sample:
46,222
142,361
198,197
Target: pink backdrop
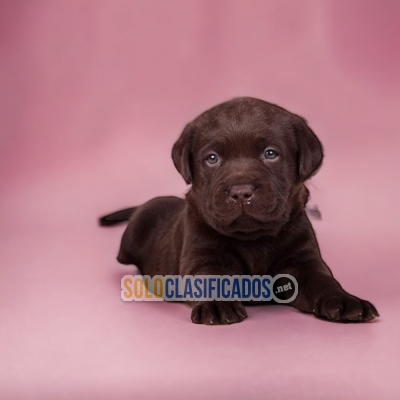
93,95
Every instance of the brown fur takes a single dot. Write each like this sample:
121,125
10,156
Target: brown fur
243,214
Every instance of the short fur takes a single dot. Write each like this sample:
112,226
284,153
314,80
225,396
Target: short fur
244,214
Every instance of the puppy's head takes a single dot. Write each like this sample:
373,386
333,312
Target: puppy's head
247,160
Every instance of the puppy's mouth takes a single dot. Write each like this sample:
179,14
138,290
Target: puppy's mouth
248,221
245,223
247,227
247,216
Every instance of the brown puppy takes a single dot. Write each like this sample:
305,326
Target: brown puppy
246,160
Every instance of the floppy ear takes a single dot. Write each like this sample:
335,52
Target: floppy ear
309,151
181,154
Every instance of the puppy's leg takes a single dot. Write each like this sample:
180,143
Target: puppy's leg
211,262
152,238
321,294
218,312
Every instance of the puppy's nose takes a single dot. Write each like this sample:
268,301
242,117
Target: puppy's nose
241,193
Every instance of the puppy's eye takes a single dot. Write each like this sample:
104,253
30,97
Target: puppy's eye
212,158
270,154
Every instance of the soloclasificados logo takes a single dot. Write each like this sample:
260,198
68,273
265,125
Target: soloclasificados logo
282,288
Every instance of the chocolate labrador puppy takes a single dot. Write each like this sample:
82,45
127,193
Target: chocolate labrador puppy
247,161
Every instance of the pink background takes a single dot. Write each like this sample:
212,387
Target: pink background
93,95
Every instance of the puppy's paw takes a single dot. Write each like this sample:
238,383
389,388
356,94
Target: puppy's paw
342,307
218,312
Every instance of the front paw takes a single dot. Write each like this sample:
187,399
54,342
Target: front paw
218,312
342,307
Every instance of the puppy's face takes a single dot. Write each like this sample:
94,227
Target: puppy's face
247,160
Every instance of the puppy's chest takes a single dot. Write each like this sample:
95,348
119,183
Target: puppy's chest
255,260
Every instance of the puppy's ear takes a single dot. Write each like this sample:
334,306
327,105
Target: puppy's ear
309,151
181,154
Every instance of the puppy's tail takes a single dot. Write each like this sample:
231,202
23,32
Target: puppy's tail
117,217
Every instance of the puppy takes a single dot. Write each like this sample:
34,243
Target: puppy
247,161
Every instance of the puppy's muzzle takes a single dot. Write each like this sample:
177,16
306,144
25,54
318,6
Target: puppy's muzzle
240,193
